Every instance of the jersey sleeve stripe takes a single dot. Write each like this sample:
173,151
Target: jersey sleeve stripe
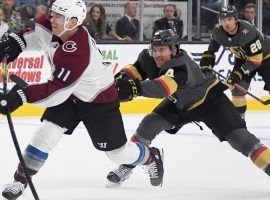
168,83
133,71
256,59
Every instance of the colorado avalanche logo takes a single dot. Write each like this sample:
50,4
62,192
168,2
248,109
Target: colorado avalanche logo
69,46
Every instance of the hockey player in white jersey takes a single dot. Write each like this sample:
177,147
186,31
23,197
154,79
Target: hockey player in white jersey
81,89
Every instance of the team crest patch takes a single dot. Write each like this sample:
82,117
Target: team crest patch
245,31
69,46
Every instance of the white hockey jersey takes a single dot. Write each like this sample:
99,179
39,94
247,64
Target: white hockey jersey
78,70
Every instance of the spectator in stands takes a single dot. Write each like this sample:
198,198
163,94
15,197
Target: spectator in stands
97,26
128,26
40,10
169,21
27,13
250,13
12,17
20,3
3,25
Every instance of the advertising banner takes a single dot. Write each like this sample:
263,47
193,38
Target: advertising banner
31,66
34,68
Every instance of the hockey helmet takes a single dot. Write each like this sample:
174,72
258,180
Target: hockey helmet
228,11
70,9
165,37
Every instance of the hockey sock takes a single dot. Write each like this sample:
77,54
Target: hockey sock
261,158
34,160
138,138
134,139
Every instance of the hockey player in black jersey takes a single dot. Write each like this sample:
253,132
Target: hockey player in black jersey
250,48
190,95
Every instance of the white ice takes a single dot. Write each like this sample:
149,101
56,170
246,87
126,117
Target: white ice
197,166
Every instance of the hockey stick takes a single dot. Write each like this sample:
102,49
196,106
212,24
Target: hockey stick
267,102
18,80
12,131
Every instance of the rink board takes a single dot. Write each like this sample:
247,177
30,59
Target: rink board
34,68
134,107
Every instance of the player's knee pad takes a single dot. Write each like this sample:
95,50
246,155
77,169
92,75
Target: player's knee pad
151,125
242,141
130,153
47,136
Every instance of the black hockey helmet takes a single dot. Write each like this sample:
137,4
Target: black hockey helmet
228,11
165,37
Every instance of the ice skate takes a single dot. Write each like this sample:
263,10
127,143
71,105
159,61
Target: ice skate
119,175
13,190
155,169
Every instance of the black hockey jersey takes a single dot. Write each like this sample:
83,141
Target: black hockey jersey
180,80
144,67
248,44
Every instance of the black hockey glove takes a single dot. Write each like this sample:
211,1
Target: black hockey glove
128,88
12,45
208,61
13,100
235,77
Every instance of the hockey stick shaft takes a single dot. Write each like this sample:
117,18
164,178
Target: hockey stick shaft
244,90
13,134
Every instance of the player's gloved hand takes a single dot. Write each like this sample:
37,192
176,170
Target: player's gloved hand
235,77
127,86
11,101
12,45
207,62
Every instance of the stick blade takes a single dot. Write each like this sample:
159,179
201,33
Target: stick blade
267,102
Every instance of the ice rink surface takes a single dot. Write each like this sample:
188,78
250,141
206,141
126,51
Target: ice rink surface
197,166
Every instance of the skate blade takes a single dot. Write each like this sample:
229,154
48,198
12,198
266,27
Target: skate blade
112,184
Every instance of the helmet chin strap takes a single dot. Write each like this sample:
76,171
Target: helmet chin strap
66,29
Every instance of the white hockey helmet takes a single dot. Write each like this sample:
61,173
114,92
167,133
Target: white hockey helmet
70,9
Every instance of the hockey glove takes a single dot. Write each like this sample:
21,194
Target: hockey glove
128,88
13,100
12,45
208,61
